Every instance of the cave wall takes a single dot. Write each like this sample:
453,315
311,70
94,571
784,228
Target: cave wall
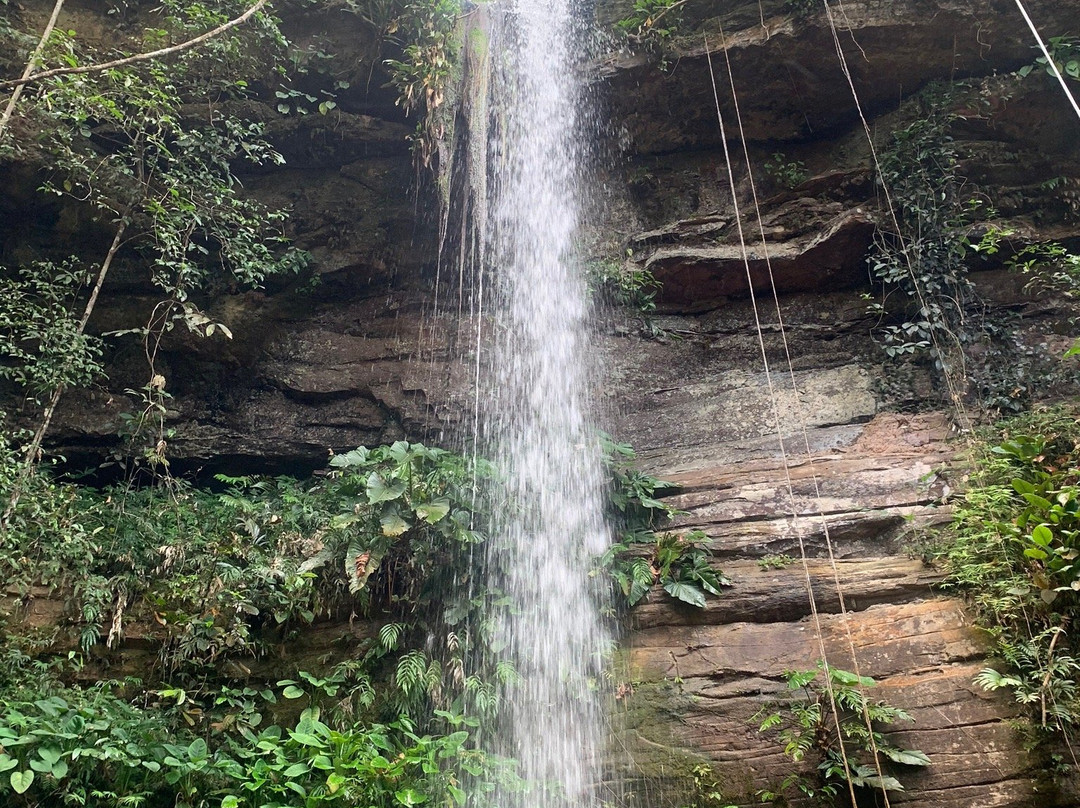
374,352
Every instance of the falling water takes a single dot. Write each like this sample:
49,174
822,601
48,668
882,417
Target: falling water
535,407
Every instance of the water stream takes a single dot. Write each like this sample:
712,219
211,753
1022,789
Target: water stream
535,405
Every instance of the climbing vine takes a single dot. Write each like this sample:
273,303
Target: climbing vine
927,240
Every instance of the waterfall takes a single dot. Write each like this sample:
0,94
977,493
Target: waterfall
533,399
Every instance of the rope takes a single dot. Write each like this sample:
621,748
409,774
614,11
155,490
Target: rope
779,432
1050,63
801,420
954,393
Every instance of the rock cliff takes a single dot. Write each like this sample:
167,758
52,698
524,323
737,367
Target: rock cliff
841,455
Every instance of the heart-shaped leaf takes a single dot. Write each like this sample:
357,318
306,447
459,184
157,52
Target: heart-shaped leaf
21,781
378,490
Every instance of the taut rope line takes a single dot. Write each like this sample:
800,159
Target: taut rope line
779,430
801,419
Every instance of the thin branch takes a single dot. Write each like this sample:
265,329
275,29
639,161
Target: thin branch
31,455
139,57
30,65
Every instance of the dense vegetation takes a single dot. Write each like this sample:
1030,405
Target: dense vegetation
1013,550
934,229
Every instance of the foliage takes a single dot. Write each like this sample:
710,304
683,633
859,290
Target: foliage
212,568
39,336
1013,548
1065,53
425,30
641,557
385,532
651,23
922,262
707,790
801,8
149,152
788,173
623,283
806,726
96,745
776,561
928,310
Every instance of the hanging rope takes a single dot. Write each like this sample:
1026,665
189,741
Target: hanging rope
779,432
801,420
954,392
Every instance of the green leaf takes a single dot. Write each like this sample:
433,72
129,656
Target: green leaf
1042,535
1023,486
434,511
21,781
909,757
306,739
356,457
379,491
230,802
408,796
7,762
292,692
50,754
393,525
296,770
873,781
687,593
360,564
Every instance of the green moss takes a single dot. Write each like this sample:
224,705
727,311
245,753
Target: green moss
649,758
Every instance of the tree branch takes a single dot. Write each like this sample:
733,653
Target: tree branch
139,57
30,65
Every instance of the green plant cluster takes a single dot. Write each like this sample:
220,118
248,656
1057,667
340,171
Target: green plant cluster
380,533
150,152
788,173
227,576
651,24
1065,53
426,32
39,337
806,726
922,262
641,557
623,284
1013,550
929,311
103,745
801,8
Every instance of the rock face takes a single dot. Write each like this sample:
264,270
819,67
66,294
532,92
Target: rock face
855,494
770,413
379,350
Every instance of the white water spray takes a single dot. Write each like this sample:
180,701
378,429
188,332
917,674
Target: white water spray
535,414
